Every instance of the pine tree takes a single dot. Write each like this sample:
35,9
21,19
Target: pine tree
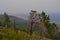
42,18
6,20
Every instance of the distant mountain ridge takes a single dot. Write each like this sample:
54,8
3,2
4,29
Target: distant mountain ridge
54,17
22,20
19,22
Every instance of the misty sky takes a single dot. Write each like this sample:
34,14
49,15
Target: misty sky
15,7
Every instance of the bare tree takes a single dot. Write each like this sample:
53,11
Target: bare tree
32,20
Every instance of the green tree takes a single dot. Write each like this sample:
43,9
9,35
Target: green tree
6,20
43,19
47,28
55,26
51,27
54,30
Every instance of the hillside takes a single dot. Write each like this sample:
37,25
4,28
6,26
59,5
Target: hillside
23,31
10,34
19,22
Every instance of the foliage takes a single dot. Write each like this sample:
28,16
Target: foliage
46,27
10,34
41,21
6,19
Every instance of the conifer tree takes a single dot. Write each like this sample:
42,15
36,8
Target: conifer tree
6,20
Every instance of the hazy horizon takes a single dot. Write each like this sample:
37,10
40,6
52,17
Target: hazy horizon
16,7
21,8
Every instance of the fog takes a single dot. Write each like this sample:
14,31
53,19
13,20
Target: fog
16,7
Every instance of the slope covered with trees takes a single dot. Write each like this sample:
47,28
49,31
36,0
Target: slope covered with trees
45,29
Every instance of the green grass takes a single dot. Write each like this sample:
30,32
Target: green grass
11,34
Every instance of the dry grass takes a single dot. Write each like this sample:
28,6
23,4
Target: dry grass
10,34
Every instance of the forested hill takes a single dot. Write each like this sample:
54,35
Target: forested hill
19,22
